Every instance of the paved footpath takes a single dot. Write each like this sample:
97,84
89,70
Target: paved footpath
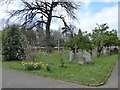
17,79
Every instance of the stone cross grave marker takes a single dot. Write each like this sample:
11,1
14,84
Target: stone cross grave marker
76,47
75,52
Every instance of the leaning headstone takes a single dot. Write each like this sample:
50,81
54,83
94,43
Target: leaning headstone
79,58
94,53
87,57
71,56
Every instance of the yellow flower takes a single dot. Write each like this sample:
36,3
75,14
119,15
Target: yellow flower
46,64
42,65
35,66
22,62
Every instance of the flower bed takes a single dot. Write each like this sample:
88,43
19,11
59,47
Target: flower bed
35,66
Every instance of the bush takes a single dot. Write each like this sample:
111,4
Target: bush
13,44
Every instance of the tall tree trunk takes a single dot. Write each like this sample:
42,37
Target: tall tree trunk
48,45
48,37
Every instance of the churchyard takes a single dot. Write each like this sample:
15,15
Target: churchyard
96,73
77,63
67,52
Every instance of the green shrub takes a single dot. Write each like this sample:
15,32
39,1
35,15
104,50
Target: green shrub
13,44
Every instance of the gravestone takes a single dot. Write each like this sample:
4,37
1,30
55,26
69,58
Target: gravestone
108,51
87,57
94,53
75,52
71,56
80,59
90,51
104,50
111,52
115,50
76,49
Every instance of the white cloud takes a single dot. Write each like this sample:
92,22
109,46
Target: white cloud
87,20
54,26
3,15
95,0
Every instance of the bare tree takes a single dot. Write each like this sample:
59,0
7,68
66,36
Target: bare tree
39,8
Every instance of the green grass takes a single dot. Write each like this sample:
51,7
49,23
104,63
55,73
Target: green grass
86,74
0,43
59,52
0,60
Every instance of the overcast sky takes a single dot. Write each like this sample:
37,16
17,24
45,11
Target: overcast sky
90,13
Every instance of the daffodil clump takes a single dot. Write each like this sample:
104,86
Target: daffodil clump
47,67
36,66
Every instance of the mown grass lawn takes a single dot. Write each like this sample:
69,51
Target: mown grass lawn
86,74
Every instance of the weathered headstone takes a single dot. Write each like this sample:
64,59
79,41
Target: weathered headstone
94,53
115,50
104,50
87,57
71,56
108,51
90,51
79,58
111,52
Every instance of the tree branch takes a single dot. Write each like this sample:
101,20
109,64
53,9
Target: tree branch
62,18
